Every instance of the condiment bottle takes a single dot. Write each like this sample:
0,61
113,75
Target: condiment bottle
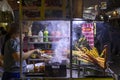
45,34
40,36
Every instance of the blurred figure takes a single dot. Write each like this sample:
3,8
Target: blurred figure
2,31
11,54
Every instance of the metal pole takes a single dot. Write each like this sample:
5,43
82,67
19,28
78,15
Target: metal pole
20,24
71,16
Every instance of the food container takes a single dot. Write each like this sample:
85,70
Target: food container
55,70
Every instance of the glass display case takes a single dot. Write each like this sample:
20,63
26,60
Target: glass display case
88,55
73,48
52,38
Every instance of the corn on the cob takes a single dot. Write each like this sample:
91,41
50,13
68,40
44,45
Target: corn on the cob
92,55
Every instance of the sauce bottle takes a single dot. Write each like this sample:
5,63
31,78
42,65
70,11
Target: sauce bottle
40,36
45,34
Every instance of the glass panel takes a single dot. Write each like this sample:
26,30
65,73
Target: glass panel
31,14
54,14
31,3
90,43
53,3
31,9
83,37
52,38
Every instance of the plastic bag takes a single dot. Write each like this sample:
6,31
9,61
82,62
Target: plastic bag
6,12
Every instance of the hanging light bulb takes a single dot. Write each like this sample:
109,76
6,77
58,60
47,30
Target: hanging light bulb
109,16
18,1
115,13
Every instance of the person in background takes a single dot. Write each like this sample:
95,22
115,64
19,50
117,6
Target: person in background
3,33
11,54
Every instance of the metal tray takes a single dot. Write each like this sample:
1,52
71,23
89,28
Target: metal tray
27,74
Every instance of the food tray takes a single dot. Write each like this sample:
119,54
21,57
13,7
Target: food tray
27,74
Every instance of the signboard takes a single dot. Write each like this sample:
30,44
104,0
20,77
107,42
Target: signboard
88,32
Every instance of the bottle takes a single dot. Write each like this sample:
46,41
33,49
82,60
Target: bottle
40,36
45,34
30,31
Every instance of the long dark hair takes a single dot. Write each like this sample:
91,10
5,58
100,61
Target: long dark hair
2,31
13,29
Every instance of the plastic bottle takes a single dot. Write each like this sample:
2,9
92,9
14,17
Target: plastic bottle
40,36
45,34
30,31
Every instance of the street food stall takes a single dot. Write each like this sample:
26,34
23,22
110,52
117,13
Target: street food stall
58,39
70,47
88,60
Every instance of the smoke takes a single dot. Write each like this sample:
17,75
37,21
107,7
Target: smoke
60,30
76,30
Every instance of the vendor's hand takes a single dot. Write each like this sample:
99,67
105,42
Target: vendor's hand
37,51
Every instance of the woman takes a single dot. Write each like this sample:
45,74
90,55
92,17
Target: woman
11,55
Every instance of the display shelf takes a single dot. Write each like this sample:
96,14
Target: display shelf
34,13
55,37
49,3
34,74
33,3
36,36
38,59
42,42
53,8
31,7
51,39
45,8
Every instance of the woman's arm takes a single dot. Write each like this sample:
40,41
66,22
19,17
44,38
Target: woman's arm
25,55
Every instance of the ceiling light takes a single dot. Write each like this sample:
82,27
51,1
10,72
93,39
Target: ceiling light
18,2
109,16
101,17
